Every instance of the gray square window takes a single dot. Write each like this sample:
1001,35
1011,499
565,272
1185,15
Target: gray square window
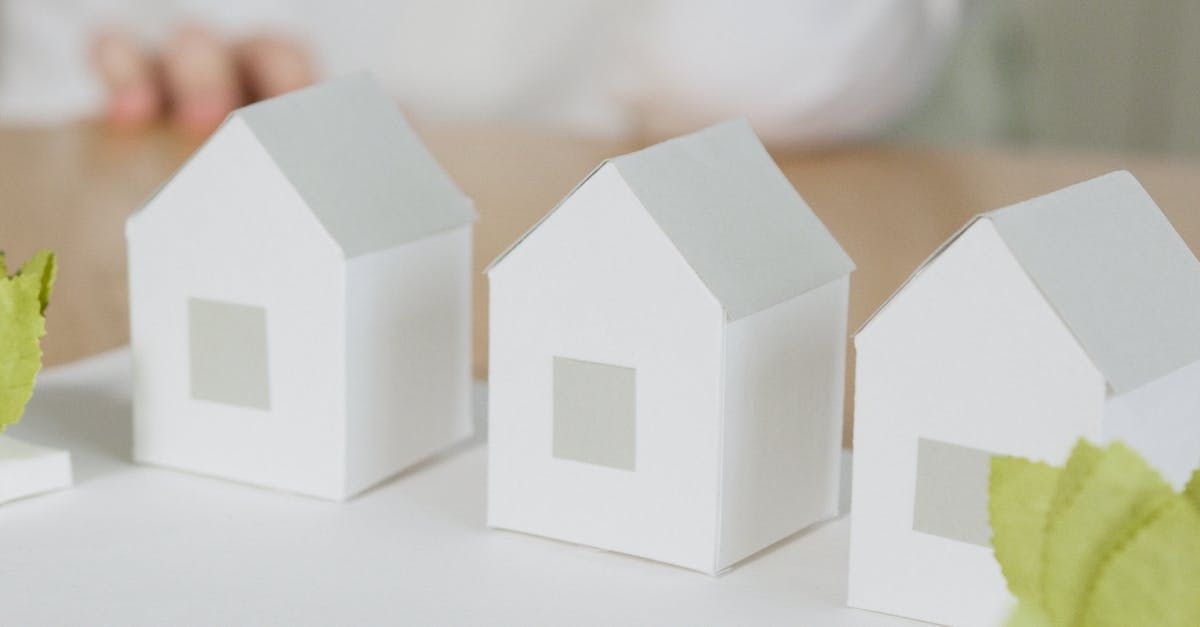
594,413
952,492
228,353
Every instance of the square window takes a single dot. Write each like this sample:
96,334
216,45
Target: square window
228,353
594,413
952,492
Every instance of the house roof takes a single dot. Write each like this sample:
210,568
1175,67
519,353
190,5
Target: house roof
733,215
1114,269
349,153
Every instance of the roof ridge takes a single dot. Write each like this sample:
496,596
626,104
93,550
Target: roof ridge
348,151
733,215
1069,243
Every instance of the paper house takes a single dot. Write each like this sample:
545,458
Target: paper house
666,362
1073,314
300,299
26,470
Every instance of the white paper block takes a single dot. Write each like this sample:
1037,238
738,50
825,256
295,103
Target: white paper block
991,348
26,470
300,299
643,400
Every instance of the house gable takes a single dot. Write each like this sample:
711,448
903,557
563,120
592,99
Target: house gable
230,159
973,294
733,215
1116,271
350,155
606,176
1113,268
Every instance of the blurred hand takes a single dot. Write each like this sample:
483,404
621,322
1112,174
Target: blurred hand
196,79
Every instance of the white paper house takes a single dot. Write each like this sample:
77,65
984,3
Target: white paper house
299,297
1073,314
667,351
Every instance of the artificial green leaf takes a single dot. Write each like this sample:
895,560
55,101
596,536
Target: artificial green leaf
1019,497
1083,459
1192,490
23,300
1029,615
42,266
1119,547
1107,498
1153,578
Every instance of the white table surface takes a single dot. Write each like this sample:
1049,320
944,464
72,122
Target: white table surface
135,545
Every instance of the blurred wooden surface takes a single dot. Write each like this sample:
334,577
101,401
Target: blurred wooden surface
70,188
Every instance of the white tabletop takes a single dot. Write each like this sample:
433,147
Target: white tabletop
134,545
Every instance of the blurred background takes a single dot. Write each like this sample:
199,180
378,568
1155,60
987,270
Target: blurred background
1104,75
1110,74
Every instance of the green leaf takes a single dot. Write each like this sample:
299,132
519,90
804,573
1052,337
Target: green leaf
1104,497
1118,546
1154,577
1192,490
1029,615
23,300
42,268
1019,496
1083,459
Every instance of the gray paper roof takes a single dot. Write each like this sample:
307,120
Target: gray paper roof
1116,272
352,157
734,217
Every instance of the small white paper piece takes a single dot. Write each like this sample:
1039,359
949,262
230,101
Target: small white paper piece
26,469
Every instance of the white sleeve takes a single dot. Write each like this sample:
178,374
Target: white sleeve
45,69
802,71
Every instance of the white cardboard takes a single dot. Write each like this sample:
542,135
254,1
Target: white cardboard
717,476
733,215
784,374
1162,421
1116,272
27,470
988,346
369,357
408,367
969,353
357,164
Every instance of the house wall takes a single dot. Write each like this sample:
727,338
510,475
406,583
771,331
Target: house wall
967,354
1161,420
408,360
599,282
784,374
228,228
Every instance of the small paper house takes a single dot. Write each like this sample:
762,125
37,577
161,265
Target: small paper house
1073,314
299,296
667,350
